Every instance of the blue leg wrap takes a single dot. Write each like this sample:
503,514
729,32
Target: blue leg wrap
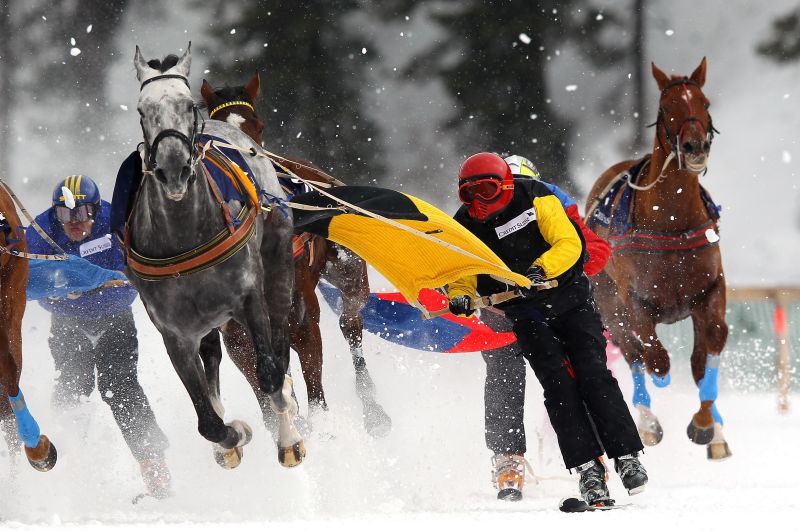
640,394
661,381
716,415
26,424
708,384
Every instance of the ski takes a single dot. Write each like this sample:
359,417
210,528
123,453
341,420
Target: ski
577,505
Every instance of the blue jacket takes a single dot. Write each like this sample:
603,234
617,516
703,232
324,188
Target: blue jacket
91,305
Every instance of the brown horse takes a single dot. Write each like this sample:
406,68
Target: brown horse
666,262
315,258
40,451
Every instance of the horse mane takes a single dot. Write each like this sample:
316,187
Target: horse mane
164,64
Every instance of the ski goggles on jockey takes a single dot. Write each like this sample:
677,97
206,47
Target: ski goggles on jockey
80,213
482,188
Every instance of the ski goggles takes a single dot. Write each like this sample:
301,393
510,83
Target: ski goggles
485,190
79,213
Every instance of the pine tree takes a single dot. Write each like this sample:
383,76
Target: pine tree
310,79
494,63
783,46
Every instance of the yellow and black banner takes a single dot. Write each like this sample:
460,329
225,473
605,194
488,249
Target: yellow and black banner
437,252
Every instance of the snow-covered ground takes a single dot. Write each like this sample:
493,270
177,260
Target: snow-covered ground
432,470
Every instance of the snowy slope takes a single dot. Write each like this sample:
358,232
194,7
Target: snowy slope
432,470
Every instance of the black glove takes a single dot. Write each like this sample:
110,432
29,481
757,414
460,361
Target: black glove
536,275
461,305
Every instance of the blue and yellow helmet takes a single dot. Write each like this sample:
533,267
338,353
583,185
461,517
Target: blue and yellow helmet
83,190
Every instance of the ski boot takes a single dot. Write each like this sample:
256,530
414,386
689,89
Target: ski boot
156,477
592,483
508,476
631,472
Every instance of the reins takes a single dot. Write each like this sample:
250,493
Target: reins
22,254
349,206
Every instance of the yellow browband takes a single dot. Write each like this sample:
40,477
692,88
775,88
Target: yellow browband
230,104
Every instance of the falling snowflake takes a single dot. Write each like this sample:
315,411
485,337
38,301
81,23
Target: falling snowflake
233,31
363,51
74,52
524,38
72,41
123,107
669,33
571,88
89,28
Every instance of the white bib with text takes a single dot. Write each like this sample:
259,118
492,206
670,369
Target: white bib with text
95,246
516,224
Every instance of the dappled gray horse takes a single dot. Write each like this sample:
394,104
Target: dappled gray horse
195,270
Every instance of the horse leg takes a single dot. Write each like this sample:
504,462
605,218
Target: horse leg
348,272
710,335
241,351
184,356
272,358
615,316
41,453
649,356
211,356
306,338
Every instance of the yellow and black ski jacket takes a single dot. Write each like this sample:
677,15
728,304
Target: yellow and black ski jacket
532,229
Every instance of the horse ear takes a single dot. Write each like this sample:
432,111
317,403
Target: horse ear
142,68
699,75
207,91
185,62
253,88
661,78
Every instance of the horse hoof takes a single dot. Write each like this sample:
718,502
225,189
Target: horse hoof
42,458
718,451
244,431
293,455
651,438
228,458
700,435
377,423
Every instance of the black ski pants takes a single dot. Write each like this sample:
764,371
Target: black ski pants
504,392
78,346
567,353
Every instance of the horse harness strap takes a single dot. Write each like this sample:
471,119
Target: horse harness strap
224,245
643,241
39,230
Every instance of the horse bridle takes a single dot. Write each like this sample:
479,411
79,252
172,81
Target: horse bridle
661,119
151,150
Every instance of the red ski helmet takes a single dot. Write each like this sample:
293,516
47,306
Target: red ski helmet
486,184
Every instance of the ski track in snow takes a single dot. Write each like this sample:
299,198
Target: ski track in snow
432,470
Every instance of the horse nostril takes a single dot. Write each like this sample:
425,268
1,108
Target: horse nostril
706,146
159,173
192,176
687,147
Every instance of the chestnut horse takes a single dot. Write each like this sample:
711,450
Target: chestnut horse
665,264
316,257
40,451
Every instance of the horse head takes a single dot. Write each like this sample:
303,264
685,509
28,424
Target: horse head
684,123
170,121
235,105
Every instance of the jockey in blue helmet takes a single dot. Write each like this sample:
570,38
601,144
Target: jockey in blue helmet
76,204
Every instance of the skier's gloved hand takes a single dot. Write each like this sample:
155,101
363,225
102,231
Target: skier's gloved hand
536,275
461,305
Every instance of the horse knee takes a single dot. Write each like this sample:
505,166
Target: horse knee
270,377
716,337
